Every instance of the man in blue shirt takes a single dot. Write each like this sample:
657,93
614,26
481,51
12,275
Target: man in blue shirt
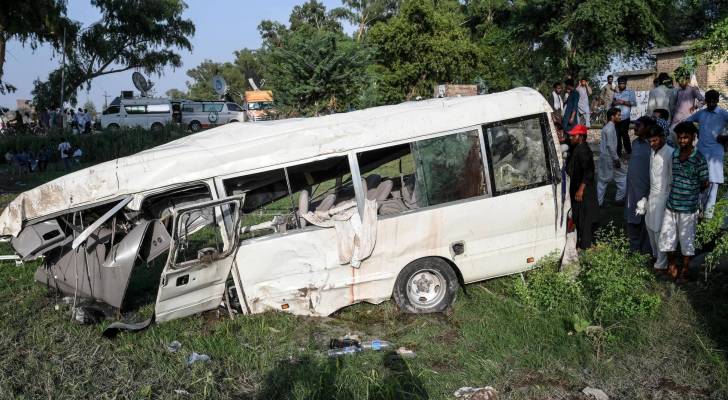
638,186
571,107
625,99
712,121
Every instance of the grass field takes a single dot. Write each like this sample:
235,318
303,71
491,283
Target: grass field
489,338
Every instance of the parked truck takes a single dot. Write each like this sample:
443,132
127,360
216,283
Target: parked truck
259,105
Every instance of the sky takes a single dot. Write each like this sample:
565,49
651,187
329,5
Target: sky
221,27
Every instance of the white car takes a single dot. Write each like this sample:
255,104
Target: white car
205,114
147,113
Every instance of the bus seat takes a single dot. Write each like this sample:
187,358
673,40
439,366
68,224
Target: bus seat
327,203
303,205
381,192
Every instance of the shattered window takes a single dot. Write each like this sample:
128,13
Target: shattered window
517,154
200,236
271,208
389,177
448,168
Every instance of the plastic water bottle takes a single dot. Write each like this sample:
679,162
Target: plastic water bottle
343,351
376,345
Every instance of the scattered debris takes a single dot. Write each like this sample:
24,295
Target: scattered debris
406,353
181,392
351,344
473,393
274,330
595,393
194,357
174,346
87,315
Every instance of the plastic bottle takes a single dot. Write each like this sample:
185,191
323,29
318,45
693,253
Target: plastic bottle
376,345
343,351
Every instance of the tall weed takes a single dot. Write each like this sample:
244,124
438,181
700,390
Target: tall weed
613,285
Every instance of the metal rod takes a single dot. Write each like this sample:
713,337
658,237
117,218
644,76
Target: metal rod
63,74
290,196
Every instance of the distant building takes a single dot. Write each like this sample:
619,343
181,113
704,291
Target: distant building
667,59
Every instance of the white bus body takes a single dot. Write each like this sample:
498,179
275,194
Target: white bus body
197,115
148,113
442,192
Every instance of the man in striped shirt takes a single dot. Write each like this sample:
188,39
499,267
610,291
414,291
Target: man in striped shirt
689,178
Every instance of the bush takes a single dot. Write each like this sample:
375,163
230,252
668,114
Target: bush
99,147
548,289
617,282
613,285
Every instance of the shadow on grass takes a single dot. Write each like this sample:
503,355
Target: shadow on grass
709,300
316,378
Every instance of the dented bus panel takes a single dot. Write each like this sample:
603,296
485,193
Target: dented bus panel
309,215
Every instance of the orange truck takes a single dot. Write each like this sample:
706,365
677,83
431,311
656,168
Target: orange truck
259,105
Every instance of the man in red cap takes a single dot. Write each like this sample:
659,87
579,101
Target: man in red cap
582,188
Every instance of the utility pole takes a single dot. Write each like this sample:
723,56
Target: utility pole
63,71
106,103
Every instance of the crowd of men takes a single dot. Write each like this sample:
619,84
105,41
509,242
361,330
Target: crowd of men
27,161
79,121
667,178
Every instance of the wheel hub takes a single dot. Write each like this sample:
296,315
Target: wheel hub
426,288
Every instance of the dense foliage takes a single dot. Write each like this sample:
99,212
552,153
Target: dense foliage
612,286
138,34
400,49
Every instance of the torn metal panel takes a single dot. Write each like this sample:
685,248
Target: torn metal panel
100,271
33,240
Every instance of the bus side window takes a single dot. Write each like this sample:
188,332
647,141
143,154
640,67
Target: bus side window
389,176
449,168
518,154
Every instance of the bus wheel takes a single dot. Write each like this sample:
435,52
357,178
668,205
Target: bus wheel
157,127
195,126
426,285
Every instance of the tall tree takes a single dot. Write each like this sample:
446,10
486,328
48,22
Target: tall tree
176,94
314,14
32,22
365,13
236,74
583,41
132,34
423,45
713,48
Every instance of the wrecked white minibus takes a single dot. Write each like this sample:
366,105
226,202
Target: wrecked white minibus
308,215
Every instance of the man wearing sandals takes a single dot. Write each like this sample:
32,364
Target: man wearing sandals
689,178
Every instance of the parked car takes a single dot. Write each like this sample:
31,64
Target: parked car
402,202
148,113
205,114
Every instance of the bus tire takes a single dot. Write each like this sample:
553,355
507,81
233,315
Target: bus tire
195,126
427,285
157,127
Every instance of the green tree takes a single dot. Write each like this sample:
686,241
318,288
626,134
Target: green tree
176,94
132,34
314,72
365,13
423,45
314,14
32,22
713,48
580,38
91,107
235,73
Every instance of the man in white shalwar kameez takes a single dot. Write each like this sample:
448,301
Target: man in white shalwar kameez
660,178
610,168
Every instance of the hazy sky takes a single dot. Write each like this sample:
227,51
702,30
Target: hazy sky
222,26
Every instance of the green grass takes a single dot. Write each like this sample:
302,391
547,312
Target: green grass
487,339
